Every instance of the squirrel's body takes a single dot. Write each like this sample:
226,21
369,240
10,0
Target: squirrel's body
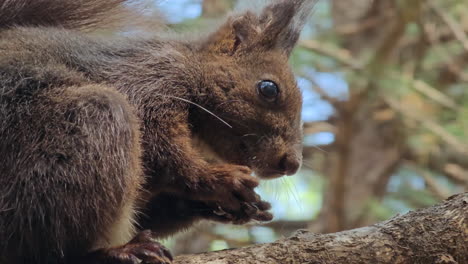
97,134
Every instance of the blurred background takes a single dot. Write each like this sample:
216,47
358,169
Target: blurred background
385,86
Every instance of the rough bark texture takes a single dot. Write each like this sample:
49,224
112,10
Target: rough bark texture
434,235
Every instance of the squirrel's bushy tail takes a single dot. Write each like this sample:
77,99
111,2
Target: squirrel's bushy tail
71,14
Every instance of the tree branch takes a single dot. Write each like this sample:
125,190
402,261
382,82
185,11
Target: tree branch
437,234
342,56
432,126
456,28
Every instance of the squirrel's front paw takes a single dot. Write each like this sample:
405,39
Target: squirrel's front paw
229,191
248,212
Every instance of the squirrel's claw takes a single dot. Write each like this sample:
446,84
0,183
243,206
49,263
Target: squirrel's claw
142,249
248,212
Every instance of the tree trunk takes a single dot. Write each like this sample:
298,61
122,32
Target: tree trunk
438,234
369,143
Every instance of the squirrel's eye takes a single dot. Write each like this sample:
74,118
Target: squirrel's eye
268,89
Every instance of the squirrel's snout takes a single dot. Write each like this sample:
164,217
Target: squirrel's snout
289,164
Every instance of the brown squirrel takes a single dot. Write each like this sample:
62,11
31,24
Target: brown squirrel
102,137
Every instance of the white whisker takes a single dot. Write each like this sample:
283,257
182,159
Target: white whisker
319,148
199,106
294,193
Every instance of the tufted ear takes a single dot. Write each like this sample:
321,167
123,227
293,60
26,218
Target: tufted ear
237,33
277,27
283,22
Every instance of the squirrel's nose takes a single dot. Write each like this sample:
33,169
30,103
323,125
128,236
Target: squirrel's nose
289,164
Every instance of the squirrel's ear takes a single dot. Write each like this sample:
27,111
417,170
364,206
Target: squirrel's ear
277,27
238,32
282,23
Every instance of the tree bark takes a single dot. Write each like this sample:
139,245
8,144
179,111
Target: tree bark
438,234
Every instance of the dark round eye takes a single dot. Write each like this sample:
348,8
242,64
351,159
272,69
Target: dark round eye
268,89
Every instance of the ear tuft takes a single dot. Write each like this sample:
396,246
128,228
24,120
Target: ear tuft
236,33
283,22
246,27
276,19
277,27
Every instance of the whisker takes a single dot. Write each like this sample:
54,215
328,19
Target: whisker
199,106
237,122
308,164
319,148
294,192
276,191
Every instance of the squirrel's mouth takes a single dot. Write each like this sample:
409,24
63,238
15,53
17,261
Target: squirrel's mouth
212,157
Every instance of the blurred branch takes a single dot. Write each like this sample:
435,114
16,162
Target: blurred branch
451,63
457,173
432,185
317,127
409,12
444,161
454,26
355,28
431,126
434,94
429,91
342,56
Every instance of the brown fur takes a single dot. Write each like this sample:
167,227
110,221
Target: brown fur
92,127
67,14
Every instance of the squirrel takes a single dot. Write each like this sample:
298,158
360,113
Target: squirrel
105,137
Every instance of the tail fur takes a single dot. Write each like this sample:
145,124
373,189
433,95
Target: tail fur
70,14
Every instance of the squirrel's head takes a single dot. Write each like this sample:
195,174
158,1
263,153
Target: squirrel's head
251,86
